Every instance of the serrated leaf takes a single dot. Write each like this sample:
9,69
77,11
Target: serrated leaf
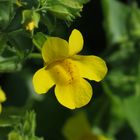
66,10
71,4
61,12
25,128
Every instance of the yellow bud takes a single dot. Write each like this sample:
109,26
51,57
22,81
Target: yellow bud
30,26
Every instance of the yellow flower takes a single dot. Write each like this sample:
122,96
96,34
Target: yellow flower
67,71
30,26
2,98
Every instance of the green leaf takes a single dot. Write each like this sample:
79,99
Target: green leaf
2,43
122,22
10,116
39,39
4,13
116,15
10,64
61,12
134,21
49,21
132,111
25,129
66,10
21,42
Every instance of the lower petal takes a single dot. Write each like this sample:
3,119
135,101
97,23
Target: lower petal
91,67
74,95
42,81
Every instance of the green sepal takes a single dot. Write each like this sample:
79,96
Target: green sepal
30,15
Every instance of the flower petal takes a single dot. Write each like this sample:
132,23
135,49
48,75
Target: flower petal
2,96
91,67
42,81
74,95
54,48
75,42
64,72
0,108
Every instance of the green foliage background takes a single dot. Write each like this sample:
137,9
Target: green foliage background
111,30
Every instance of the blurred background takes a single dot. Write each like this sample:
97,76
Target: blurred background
111,30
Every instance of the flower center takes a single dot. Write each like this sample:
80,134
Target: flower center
64,72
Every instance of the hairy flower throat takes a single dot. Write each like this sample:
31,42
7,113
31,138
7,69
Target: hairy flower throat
64,72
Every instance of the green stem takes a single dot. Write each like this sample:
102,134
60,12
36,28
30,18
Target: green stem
35,56
42,8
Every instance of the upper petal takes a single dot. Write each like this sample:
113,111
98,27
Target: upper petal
54,48
91,67
75,42
42,81
74,95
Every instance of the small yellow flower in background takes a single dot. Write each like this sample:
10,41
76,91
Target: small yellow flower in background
77,127
93,136
30,26
2,98
67,70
